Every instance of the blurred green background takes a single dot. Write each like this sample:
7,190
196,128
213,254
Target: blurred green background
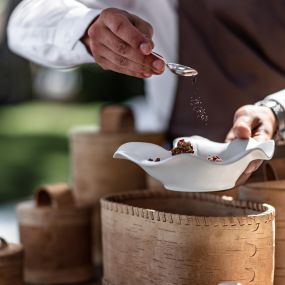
34,144
38,106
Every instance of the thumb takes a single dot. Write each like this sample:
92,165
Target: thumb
243,126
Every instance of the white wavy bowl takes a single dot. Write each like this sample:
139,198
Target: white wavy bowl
194,172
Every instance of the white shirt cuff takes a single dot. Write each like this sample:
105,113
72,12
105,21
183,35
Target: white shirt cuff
71,29
279,97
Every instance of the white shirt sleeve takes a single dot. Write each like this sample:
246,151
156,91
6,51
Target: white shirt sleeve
49,32
279,97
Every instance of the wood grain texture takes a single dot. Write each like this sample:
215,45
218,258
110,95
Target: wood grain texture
160,237
272,192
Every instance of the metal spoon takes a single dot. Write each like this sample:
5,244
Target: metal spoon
178,69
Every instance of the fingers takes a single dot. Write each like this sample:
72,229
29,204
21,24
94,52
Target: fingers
242,179
108,65
121,62
243,125
253,121
125,30
144,27
121,42
122,51
253,166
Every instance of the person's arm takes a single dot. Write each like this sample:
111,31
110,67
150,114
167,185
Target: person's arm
49,32
263,121
67,33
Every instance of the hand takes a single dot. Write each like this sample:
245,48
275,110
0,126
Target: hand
253,121
122,42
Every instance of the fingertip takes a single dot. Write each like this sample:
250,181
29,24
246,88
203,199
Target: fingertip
147,75
158,65
146,48
242,130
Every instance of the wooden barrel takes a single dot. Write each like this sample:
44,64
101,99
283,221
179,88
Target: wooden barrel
96,173
56,234
272,192
11,263
163,237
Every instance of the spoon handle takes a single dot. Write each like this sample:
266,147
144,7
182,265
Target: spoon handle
159,56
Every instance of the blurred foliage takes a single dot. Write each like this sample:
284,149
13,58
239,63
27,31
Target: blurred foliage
46,118
101,85
30,160
34,144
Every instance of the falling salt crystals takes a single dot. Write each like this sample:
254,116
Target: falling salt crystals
198,108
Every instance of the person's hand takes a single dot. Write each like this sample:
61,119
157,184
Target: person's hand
253,121
122,42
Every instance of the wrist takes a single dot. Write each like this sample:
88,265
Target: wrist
279,117
86,41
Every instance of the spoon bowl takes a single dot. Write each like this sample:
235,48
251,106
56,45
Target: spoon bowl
181,70
177,68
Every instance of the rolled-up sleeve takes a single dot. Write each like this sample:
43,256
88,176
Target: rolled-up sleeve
49,32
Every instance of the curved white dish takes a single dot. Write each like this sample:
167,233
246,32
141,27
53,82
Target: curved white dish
194,172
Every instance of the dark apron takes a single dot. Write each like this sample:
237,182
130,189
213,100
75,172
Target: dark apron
238,47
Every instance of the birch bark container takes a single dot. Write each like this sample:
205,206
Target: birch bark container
161,237
11,263
272,192
96,173
56,234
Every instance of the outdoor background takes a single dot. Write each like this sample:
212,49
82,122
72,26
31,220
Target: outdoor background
38,106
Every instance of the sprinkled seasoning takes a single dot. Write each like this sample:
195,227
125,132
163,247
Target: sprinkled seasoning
197,104
215,158
182,147
198,108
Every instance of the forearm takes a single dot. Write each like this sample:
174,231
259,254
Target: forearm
49,33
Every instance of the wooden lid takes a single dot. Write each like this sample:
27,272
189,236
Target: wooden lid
54,205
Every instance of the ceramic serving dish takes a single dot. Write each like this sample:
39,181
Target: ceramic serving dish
194,172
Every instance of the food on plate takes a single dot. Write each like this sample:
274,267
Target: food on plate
182,147
214,158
